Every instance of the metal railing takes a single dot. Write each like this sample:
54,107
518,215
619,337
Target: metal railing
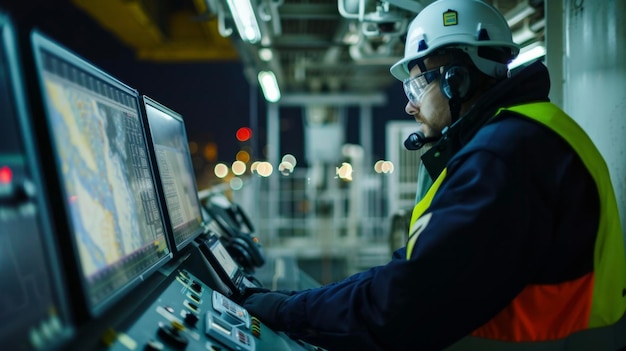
345,221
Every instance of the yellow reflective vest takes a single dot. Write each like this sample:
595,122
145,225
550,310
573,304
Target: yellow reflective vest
605,327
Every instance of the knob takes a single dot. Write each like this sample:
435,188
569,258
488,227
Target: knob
154,345
172,336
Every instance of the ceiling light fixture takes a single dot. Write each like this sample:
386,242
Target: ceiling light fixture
269,86
245,20
521,11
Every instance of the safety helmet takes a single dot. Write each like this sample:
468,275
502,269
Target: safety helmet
469,25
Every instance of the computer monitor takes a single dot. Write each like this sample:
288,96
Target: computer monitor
178,181
103,173
34,311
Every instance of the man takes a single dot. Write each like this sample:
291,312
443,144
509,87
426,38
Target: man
518,241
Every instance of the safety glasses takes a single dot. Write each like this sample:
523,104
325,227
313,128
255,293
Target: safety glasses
414,87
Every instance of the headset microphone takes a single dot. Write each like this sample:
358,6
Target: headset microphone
417,140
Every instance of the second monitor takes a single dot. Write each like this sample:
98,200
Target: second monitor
169,139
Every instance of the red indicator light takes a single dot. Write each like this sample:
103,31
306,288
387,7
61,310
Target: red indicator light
6,175
244,134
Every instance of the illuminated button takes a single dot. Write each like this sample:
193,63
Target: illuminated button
6,175
256,331
178,325
8,191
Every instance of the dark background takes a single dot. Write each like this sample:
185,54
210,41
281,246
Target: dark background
214,97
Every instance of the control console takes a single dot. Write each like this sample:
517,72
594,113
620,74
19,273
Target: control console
189,315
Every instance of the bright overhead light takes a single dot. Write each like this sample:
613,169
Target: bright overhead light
528,53
245,20
269,85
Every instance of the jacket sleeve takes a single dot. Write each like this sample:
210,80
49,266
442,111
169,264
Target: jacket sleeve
468,263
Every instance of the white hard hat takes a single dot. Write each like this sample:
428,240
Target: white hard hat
470,25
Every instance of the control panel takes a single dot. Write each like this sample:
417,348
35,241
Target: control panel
189,315
230,310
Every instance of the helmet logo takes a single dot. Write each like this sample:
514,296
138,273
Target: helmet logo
450,18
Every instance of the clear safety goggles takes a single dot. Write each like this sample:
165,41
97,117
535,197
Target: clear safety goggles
414,87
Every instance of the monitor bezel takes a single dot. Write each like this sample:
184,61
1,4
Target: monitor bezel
146,100
40,41
234,282
9,39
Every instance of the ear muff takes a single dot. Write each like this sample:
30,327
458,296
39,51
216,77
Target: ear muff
255,252
245,251
457,82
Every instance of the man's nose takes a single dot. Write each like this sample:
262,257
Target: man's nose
411,108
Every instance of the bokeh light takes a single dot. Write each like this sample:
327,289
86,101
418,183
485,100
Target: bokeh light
291,159
244,134
210,151
285,168
254,166
345,171
238,168
220,170
378,166
236,183
382,166
243,156
265,169
387,167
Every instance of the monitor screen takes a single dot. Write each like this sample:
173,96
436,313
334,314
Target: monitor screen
34,313
169,138
224,259
105,174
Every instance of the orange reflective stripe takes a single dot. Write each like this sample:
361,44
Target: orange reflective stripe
543,312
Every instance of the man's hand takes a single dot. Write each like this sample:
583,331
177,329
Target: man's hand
266,306
248,291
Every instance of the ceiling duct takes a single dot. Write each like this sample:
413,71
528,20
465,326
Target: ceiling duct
376,17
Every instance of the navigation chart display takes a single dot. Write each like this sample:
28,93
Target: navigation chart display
106,175
171,147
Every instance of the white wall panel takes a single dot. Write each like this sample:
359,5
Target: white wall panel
594,72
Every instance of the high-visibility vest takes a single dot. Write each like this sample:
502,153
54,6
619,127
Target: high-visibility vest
601,293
